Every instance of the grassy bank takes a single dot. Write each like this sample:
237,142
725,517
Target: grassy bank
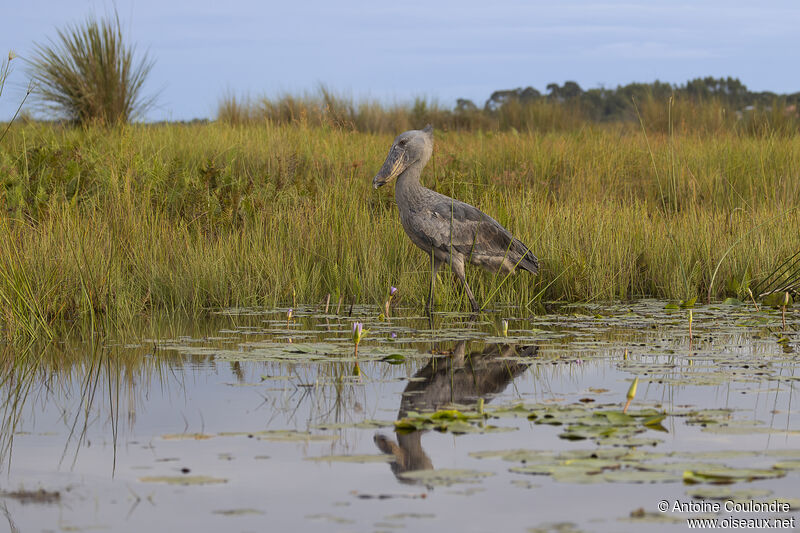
181,219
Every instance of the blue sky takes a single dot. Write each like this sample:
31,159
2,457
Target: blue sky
442,50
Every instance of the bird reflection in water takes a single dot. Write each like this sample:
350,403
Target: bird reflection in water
462,378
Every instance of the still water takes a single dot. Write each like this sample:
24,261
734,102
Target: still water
260,422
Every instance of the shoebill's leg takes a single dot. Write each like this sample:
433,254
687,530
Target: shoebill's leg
458,268
435,265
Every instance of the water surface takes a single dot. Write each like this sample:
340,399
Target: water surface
259,422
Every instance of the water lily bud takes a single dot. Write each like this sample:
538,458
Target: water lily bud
358,332
632,389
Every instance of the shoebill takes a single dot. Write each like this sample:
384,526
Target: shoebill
444,228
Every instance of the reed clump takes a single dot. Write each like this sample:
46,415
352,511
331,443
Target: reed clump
89,74
108,225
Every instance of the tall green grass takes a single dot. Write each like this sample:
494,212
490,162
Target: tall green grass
104,227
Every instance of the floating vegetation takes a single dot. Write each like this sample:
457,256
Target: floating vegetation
651,517
404,516
729,475
38,496
597,422
308,352
282,435
385,496
238,512
579,421
364,458
627,465
394,359
556,527
443,420
187,436
330,518
183,480
364,424
597,466
727,493
787,465
445,477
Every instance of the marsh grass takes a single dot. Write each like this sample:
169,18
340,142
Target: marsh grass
104,226
676,113
324,108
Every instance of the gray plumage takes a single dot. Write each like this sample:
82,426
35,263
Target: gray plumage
446,229
461,379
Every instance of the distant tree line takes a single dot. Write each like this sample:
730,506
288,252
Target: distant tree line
602,104
703,105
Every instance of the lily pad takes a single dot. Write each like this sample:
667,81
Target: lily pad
556,527
325,517
726,493
183,480
364,424
451,420
732,301
719,455
729,475
778,299
516,456
187,436
364,458
640,515
404,516
641,476
282,435
445,477
787,465
237,512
